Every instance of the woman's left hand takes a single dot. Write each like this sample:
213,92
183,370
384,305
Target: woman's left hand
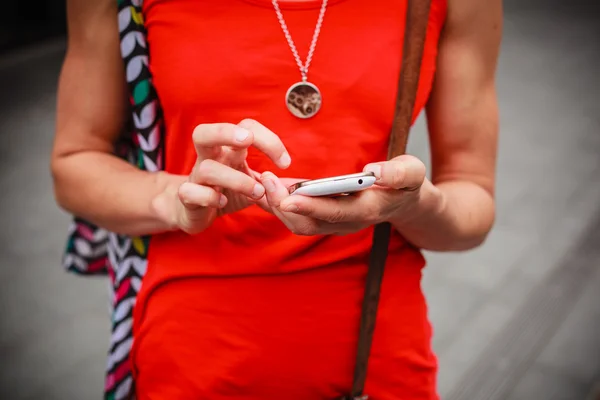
395,196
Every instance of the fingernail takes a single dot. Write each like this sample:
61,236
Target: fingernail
374,168
291,208
222,201
285,160
258,191
241,134
269,185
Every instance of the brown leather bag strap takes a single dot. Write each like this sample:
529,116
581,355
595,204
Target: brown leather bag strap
417,17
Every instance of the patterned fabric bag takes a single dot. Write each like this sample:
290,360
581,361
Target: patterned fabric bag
92,250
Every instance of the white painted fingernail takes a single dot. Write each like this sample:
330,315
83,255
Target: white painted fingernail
222,201
241,134
258,191
375,169
269,185
285,160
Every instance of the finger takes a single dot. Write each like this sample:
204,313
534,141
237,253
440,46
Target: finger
276,193
264,204
208,138
234,158
275,190
268,142
194,197
403,172
212,173
249,171
341,209
342,229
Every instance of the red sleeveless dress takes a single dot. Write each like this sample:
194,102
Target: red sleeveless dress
246,310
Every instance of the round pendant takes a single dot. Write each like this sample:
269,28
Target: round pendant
303,99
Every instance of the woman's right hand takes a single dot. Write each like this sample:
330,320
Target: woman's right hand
221,181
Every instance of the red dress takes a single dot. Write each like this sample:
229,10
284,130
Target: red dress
246,310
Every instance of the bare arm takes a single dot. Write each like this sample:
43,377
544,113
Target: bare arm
455,210
89,180
462,117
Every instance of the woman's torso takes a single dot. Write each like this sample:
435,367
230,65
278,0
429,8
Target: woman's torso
223,61
228,60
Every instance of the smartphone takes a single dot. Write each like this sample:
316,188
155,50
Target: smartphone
334,186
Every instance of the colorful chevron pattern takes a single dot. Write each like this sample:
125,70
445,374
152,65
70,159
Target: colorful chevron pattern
92,250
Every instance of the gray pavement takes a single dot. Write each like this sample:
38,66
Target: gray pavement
517,319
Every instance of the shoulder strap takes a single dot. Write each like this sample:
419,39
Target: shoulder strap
417,17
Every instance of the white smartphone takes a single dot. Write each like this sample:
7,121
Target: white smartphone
334,186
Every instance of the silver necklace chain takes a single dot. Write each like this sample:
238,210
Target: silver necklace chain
303,67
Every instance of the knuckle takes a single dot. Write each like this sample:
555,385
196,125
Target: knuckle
303,230
336,216
188,228
213,134
412,166
233,158
205,168
264,134
372,214
224,131
192,229
248,123
398,172
186,225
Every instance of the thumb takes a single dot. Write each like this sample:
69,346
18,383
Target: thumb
197,207
275,189
403,172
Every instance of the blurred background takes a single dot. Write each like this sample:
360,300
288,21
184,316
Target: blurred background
517,319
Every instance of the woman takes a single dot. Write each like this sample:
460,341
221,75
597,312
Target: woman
252,293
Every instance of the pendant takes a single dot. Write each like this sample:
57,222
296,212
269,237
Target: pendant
303,99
